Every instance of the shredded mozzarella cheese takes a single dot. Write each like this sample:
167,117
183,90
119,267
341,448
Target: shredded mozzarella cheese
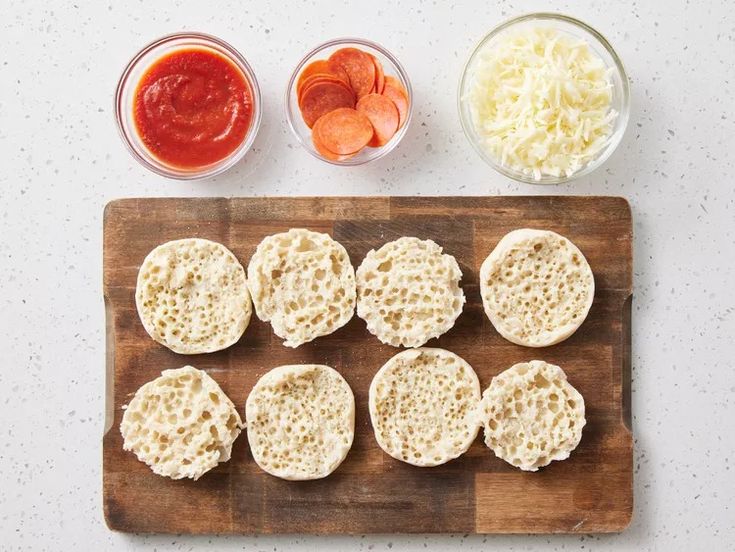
540,101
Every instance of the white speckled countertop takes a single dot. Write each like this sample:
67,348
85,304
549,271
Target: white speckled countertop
61,161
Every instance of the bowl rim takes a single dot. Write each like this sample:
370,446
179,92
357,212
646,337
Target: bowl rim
622,119
403,75
223,48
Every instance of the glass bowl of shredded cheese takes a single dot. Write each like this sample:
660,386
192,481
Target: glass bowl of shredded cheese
544,98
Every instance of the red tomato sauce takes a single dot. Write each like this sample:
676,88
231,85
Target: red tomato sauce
192,108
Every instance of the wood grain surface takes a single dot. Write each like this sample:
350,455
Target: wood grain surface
371,492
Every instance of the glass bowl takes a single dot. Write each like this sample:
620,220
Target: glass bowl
391,66
125,94
599,45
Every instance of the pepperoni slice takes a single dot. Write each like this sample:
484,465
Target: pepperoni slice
335,68
395,91
314,68
320,77
383,115
321,67
321,98
359,67
390,79
343,131
323,151
379,75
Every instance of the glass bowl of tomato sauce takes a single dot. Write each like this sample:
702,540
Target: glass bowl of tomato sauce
188,106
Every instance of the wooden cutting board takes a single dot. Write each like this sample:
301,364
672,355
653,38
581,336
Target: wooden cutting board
371,492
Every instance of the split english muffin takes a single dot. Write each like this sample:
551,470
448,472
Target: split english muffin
180,424
192,296
422,406
532,415
536,287
408,292
300,421
302,282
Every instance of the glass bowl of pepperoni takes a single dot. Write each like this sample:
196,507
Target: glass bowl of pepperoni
349,101
188,106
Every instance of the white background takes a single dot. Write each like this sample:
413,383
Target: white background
61,161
